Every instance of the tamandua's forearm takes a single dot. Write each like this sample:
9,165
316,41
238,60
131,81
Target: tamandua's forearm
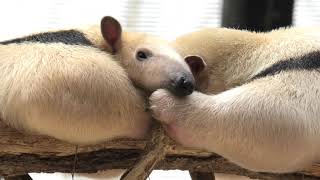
258,126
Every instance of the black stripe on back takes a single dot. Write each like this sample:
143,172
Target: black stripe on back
70,37
309,61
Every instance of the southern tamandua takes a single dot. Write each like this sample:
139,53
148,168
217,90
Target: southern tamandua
260,102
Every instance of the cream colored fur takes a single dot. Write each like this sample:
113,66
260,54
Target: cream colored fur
82,94
76,94
269,124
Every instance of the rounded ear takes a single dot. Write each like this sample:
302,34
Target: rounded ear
111,32
196,64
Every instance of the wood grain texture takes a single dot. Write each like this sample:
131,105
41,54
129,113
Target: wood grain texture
21,153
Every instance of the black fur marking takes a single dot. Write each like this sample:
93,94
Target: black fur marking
70,37
309,61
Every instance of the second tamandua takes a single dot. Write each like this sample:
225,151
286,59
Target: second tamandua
261,103
73,84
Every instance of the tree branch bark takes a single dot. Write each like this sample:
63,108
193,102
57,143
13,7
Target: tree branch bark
21,153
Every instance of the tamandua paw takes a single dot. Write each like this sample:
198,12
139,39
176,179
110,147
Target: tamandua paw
168,108
162,103
176,114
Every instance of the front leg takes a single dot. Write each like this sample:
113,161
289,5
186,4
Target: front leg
265,125
183,118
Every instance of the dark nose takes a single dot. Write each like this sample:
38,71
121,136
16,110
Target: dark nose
183,86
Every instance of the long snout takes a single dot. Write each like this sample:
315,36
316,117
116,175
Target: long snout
182,84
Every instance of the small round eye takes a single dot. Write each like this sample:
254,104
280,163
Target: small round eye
141,55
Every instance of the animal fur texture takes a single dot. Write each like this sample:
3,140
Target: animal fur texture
260,105
76,85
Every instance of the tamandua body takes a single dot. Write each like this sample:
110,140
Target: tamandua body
75,85
260,105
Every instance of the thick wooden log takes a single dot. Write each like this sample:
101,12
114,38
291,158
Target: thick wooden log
21,153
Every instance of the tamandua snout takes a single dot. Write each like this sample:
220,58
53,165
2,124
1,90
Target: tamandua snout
182,85
152,68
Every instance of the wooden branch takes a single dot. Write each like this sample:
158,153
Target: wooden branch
21,154
154,152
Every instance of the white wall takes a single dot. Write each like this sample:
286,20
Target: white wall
161,17
306,13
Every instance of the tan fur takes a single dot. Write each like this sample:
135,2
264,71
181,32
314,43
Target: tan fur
270,124
77,94
83,94
208,42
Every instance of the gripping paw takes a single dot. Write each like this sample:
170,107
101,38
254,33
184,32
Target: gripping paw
162,103
168,108
176,113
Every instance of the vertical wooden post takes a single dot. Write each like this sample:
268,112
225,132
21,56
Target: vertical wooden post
202,175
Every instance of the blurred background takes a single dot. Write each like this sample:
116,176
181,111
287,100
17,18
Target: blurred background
166,18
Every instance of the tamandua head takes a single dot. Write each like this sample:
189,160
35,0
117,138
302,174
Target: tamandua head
151,63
